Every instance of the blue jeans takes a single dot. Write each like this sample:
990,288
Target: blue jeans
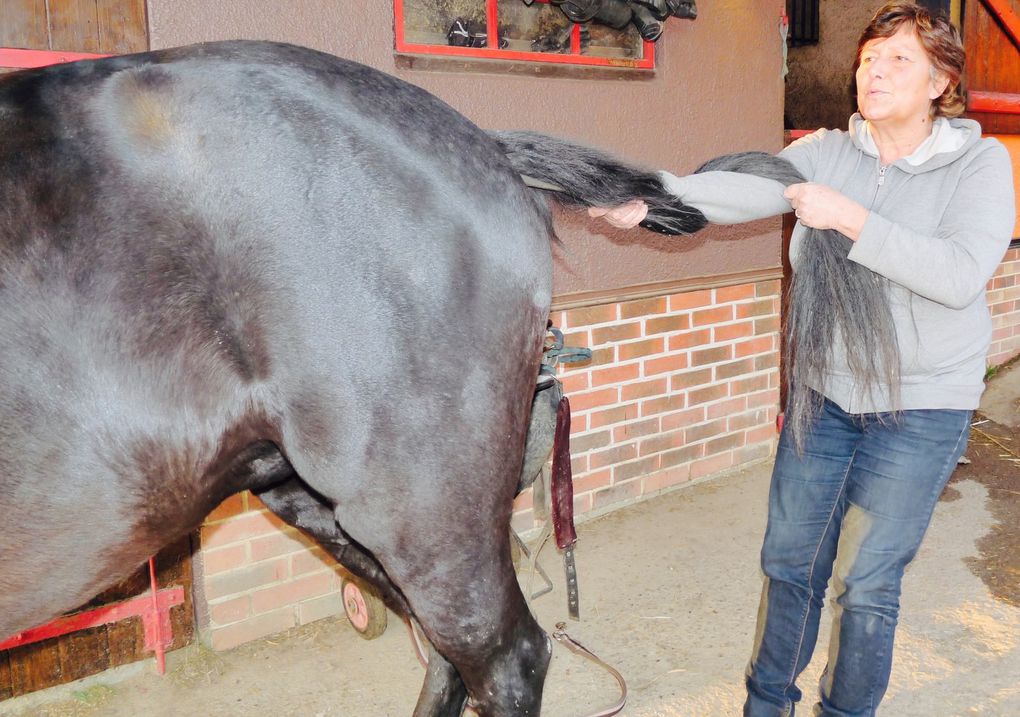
853,507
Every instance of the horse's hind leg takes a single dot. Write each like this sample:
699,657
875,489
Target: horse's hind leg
297,504
444,693
465,594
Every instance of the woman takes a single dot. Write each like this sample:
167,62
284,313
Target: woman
926,206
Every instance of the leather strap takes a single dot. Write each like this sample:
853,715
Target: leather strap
577,648
573,596
562,501
562,489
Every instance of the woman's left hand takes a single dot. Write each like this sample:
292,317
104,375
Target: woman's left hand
624,216
821,207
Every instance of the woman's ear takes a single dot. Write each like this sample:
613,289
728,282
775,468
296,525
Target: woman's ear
937,86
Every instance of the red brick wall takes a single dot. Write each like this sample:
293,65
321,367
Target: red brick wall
1004,303
255,575
680,387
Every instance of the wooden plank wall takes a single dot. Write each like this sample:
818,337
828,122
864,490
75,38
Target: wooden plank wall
87,652
101,26
993,62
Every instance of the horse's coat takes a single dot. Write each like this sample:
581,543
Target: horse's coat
254,266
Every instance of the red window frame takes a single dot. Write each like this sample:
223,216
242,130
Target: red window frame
492,52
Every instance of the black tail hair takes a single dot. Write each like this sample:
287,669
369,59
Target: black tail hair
581,176
762,164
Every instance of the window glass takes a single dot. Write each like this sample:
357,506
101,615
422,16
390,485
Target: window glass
537,31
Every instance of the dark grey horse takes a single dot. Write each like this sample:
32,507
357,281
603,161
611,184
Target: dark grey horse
254,266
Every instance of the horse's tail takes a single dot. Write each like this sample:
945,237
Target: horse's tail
761,164
577,175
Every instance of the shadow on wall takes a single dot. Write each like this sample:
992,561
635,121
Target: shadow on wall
818,86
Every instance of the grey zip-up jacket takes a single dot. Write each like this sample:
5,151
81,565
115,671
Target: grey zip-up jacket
940,222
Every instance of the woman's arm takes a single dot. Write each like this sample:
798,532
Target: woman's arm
723,197
729,197
952,266
726,197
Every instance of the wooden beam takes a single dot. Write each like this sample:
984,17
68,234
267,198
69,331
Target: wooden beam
996,102
1009,19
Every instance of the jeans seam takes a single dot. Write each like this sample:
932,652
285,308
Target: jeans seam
949,459
887,624
811,573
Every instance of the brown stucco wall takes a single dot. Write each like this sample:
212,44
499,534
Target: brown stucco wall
717,89
818,86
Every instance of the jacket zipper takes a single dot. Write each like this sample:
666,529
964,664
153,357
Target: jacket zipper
881,178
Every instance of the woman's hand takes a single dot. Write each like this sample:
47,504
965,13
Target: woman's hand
821,207
625,216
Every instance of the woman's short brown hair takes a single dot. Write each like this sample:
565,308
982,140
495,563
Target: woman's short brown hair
940,40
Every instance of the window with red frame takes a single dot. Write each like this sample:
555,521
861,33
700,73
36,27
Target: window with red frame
514,30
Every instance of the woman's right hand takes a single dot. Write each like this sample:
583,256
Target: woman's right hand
821,207
624,216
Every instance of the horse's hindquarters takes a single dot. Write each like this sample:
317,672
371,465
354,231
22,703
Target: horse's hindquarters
261,243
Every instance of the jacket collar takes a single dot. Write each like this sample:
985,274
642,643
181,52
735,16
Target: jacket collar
949,139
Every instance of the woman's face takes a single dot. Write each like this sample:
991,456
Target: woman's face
895,82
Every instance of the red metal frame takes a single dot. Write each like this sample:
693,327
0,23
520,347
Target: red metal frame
492,51
154,609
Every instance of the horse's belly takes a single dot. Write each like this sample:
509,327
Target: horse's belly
56,558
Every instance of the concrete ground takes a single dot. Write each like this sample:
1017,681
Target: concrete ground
669,594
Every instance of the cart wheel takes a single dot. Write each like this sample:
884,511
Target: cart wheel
365,609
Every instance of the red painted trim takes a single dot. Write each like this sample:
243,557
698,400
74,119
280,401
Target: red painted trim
996,102
141,607
647,62
25,59
1009,19
492,25
798,133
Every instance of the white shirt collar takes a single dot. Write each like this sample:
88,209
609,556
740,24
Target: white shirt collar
944,137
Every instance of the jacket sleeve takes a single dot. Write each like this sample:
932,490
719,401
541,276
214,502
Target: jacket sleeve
729,197
735,197
953,266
